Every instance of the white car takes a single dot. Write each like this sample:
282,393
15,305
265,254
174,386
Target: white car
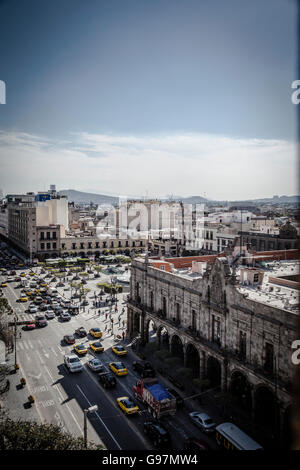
203,421
50,314
95,364
32,309
73,363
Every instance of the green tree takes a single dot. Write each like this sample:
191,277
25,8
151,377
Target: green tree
28,435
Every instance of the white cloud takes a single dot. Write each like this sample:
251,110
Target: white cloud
220,167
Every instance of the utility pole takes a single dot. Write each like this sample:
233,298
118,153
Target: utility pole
15,341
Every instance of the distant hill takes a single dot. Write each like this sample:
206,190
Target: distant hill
80,197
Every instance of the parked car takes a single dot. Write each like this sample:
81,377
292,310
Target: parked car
202,421
69,339
157,433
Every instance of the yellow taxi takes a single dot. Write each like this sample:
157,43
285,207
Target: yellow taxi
96,332
127,405
20,264
80,348
3,284
118,368
43,284
23,275
119,350
96,346
31,274
37,291
23,299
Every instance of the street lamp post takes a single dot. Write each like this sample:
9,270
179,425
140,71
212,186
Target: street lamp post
86,411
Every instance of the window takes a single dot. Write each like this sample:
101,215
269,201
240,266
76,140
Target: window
133,243
141,243
242,345
126,244
194,326
269,357
151,300
178,312
97,244
42,246
42,235
119,244
104,244
255,277
48,235
48,246
162,267
216,330
81,245
54,235
63,245
54,246
89,244
164,305
73,246
111,244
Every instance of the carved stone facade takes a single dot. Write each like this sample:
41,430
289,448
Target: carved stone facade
241,345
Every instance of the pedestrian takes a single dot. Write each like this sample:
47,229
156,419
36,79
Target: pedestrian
105,315
123,335
123,323
99,312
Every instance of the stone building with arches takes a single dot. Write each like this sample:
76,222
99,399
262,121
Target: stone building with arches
238,341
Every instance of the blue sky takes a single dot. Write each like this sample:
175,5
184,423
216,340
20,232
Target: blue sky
151,72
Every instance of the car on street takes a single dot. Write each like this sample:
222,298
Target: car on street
202,421
30,326
96,365
81,332
144,368
96,332
69,339
3,284
32,309
96,346
40,321
157,433
107,379
193,444
50,314
118,368
80,349
65,316
119,350
127,405
177,396
73,363
23,299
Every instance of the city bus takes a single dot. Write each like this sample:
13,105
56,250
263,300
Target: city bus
230,437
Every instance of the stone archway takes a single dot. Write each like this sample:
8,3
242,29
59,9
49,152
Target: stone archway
241,389
177,348
150,332
193,359
213,371
163,338
266,409
136,323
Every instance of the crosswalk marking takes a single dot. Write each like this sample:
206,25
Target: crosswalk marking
25,345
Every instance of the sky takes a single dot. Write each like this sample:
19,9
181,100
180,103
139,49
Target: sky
139,97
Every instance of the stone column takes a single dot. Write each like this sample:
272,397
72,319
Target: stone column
202,365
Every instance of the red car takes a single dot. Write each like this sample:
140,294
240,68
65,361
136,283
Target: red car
69,339
30,326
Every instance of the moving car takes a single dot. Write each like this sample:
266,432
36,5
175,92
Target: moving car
96,332
30,326
80,349
157,433
65,316
96,346
119,350
202,421
127,405
118,368
3,284
144,368
73,363
69,339
23,299
96,365
32,309
40,321
81,332
107,379
50,314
